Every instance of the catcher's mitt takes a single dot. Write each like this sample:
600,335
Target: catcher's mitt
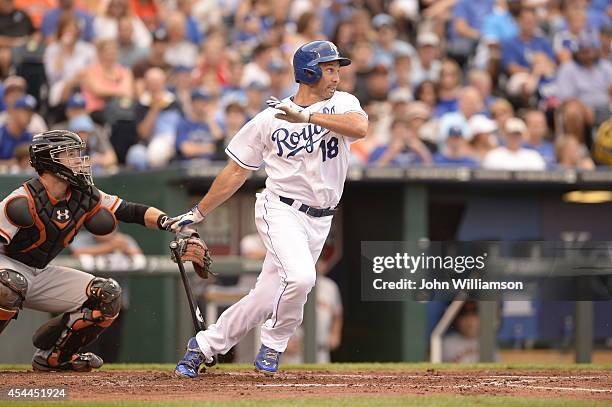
193,249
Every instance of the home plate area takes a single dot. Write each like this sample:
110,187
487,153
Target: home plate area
226,384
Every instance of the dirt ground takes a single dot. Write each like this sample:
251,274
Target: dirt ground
228,385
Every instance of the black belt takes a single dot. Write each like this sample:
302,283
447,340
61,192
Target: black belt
309,210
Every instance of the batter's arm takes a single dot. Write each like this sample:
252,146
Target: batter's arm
350,124
227,182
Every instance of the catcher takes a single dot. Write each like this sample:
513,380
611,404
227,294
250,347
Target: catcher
37,221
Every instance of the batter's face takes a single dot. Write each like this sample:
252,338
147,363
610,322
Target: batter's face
329,80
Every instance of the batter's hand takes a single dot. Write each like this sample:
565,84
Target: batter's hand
289,113
177,223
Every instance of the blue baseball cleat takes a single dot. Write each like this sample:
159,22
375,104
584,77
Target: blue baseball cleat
190,365
267,360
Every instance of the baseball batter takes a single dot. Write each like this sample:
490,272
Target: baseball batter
303,143
37,221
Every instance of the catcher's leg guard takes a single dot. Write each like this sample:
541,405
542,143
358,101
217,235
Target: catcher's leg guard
60,338
13,288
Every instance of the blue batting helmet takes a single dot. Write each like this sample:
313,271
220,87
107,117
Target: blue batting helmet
307,58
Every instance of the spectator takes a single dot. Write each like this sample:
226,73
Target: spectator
584,85
52,17
500,26
378,84
129,51
571,153
387,46
14,132
256,69
21,164
448,88
193,31
462,345
401,74
106,25
427,93
501,111
15,27
157,115
418,116
469,102
404,149
518,53
333,16
456,150
362,26
75,106
106,79
566,41
98,146
179,51
308,28
481,80
15,89
344,37
179,83
256,93
216,70
155,59
483,136
605,37
235,117
114,251
232,88
282,84
363,55
196,137
329,313
65,59
466,26
148,11
538,135
427,65
35,9
512,156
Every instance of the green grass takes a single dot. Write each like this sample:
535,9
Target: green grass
342,367
413,401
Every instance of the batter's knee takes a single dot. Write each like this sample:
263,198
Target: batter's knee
304,283
104,296
13,288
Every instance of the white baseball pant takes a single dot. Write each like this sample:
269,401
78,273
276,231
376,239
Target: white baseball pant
294,242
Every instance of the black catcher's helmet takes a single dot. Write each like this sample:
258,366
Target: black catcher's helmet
46,155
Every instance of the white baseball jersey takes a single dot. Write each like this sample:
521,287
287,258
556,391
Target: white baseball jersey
303,161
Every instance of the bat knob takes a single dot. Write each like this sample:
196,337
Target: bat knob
174,245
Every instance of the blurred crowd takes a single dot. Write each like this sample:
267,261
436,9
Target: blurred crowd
500,84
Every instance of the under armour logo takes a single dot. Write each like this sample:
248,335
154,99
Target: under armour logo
62,215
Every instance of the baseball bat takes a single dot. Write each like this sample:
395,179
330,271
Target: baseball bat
196,315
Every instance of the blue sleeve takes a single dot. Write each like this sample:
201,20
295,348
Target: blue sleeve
376,154
2,105
182,132
509,54
88,30
547,48
490,27
194,34
47,27
461,10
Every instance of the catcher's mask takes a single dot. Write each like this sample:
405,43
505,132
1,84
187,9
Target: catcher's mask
61,152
